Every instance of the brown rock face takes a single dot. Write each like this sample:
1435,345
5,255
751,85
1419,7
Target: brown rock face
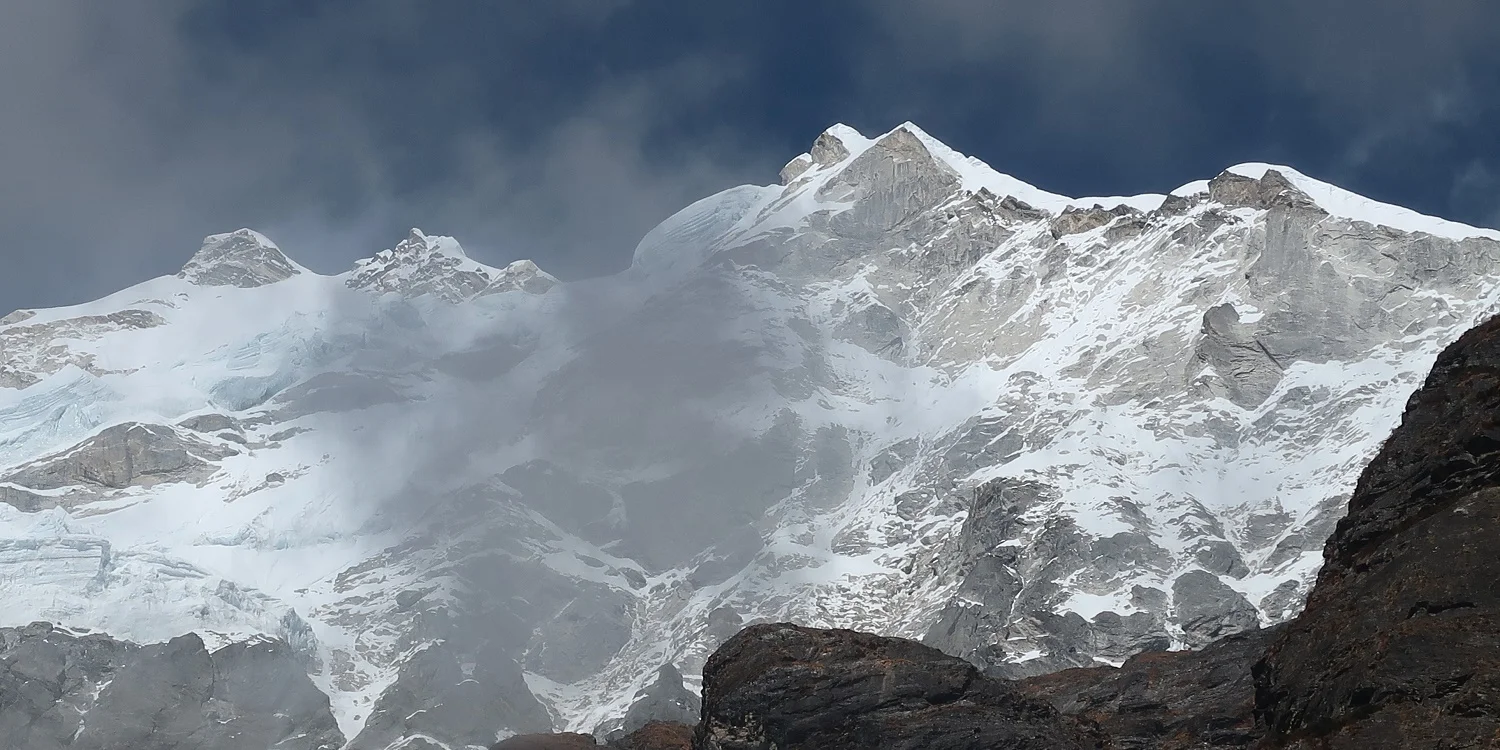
1166,700
657,735
1399,646
784,686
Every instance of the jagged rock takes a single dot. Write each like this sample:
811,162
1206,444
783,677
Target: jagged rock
1207,609
242,258
665,700
1399,644
91,692
1177,700
780,685
421,265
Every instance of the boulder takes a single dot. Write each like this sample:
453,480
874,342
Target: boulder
786,686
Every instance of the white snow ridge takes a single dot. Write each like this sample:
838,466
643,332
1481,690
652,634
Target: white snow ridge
901,392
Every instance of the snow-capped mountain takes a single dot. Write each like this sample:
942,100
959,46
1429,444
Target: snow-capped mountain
900,392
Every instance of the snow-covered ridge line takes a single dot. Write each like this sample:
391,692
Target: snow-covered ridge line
1337,201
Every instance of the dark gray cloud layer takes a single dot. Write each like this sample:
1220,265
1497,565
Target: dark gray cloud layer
563,130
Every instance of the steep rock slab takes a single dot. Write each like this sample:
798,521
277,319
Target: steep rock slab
1167,700
1399,645
784,686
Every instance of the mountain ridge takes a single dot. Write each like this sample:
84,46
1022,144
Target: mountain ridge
787,408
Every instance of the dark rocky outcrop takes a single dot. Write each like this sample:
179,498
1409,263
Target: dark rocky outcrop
785,686
657,735
1399,644
60,690
1166,700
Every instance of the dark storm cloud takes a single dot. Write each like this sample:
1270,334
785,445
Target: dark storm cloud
562,131
131,133
1389,97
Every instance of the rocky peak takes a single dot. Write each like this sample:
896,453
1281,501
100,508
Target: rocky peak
1272,189
242,258
833,145
422,264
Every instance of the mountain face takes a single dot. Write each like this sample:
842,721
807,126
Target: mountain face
899,392
1398,646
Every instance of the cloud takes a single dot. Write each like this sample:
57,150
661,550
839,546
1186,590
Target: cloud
1384,96
563,131
137,131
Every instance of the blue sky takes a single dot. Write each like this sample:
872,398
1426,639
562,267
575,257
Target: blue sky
563,130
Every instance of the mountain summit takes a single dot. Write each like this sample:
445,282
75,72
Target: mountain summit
900,392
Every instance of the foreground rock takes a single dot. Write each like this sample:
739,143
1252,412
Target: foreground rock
91,692
657,735
1399,645
558,741
785,686
1166,700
